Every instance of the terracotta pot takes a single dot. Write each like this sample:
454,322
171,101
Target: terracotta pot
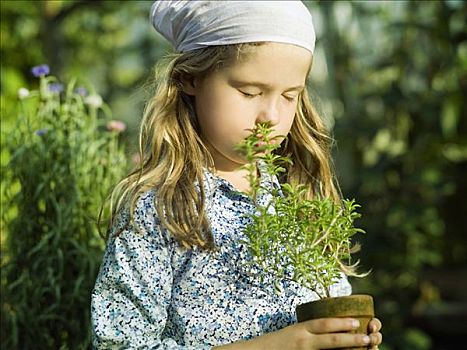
357,306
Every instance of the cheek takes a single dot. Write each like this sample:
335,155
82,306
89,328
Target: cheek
227,114
219,104
220,123
287,120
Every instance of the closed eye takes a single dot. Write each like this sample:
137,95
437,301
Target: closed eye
290,98
247,95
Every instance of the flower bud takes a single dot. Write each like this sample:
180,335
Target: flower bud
136,158
81,91
116,126
55,88
23,93
41,132
94,101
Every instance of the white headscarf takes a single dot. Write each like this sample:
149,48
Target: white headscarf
191,25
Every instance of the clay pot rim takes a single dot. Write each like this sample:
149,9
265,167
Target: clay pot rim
350,306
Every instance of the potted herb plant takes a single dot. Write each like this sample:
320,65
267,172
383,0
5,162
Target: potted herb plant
307,241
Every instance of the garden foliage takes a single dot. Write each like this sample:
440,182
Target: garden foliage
63,161
398,77
391,77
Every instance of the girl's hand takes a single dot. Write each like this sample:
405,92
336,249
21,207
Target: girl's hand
324,333
376,337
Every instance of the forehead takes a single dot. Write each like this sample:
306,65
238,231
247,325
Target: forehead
273,64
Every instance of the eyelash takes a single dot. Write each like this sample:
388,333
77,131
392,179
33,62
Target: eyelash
247,95
290,99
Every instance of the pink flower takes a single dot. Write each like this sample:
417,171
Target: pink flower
116,126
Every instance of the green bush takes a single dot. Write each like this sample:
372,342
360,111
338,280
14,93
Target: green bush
64,157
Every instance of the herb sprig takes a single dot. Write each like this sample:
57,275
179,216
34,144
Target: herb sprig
305,240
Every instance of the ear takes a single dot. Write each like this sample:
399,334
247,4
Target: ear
188,84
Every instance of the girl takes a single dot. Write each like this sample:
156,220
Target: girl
172,275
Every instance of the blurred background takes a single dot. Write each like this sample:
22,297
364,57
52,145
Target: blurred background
390,79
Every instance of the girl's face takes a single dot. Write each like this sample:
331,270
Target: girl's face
263,87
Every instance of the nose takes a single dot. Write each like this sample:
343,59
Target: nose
269,112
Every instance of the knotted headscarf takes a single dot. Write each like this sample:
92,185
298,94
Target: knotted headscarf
191,25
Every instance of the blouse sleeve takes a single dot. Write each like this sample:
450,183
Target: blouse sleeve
133,289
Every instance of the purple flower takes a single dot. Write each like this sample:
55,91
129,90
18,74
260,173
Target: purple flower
55,87
81,91
41,132
39,71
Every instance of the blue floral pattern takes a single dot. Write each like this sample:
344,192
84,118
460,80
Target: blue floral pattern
151,293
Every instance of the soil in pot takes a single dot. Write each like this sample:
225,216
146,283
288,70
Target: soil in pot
357,306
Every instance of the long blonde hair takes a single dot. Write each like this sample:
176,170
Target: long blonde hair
173,156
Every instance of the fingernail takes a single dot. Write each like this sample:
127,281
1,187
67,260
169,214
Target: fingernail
366,339
355,324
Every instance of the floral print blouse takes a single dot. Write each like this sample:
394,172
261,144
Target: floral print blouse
151,293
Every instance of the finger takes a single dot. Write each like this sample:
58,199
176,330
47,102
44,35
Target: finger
376,339
340,340
374,325
330,325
